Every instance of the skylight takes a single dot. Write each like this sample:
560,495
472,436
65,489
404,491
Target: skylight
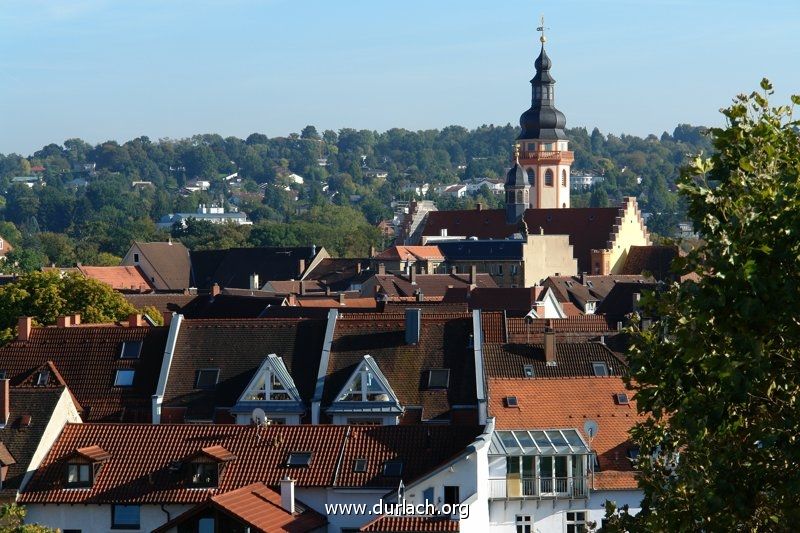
528,371
43,378
633,454
393,468
124,378
622,398
360,465
207,378
438,378
600,369
299,459
130,350
511,401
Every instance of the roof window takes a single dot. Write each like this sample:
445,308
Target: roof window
600,368
207,378
130,350
299,460
511,401
438,378
527,370
622,398
43,378
360,466
124,378
393,468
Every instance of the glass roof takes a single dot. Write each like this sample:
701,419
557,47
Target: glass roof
546,442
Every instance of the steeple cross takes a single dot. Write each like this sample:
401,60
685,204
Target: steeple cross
542,28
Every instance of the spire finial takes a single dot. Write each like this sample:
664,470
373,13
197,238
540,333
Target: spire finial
516,152
541,28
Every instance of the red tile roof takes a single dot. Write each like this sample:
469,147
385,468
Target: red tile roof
404,253
87,358
567,403
257,506
588,227
396,286
143,458
219,453
412,524
573,359
93,453
121,278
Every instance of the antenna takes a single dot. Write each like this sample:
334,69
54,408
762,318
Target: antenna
542,28
590,427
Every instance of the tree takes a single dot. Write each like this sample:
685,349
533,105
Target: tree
12,518
46,295
309,132
720,373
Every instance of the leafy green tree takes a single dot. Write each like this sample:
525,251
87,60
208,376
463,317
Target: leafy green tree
21,260
720,373
47,295
12,520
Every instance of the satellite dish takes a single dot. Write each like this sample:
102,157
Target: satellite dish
590,427
259,416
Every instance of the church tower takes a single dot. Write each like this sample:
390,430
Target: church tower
517,191
544,148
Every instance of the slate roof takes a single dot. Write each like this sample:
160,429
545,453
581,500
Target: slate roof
170,260
121,278
487,250
166,303
444,343
432,285
567,403
572,360
412,524
518,301
141,454
232,267
21,441
582,289
620,301
238,347
87,358
497,328
229,306
340,273
588,227
257,506
654,260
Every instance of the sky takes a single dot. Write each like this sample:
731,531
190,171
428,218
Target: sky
119,69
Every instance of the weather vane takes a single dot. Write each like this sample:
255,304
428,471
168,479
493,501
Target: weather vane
516,151
541,28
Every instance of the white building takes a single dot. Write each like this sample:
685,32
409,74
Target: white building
212,213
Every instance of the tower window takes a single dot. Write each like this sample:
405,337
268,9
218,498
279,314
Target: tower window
532,176
548,178
563,178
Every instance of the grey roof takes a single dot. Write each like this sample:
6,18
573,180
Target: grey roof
542,120
490,249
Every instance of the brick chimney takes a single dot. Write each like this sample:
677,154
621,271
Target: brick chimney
473,274
76,319
24,327
413,276
381,269
292,300
215,290
254,285
341,299
64,321
287,494
302,289
134,320
5,399
550,347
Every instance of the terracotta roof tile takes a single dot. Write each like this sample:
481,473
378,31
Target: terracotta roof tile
412,524
87,358
146,463
237,347
121,278
572,360
404,253
432,285
567,403
93,453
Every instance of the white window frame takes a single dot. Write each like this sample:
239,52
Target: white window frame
576,521
523,523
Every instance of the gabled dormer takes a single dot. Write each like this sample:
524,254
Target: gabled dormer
83,465
207,466
272,390
366,398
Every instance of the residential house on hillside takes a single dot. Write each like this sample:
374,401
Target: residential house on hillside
5,247
32,416
165,264
143,476
213,214
600,237
111,370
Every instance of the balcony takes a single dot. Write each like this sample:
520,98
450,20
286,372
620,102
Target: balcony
560,156
531,488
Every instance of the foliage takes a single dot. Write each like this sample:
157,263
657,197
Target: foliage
721,374
12,518
46,295
153,313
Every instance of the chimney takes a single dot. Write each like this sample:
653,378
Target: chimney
550,347
64,321
454,270
254,282
341,299
583,278
215,289
287,495
372,251
301,266
24,327
473,274
443,232
420,295
413,325
413,276
292,302
327,290
76,319
302,289
381,269
134,320
358,267
479,206
5,400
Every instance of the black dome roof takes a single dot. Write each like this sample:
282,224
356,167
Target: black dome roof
542,120
516,176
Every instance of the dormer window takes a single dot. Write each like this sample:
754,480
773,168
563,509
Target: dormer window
269,387
43,378
130,350
527,370
124,378
438,378
365,387
299,460
204,474
207,378
79,475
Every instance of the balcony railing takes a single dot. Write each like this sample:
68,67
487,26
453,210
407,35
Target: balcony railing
538,488
565,156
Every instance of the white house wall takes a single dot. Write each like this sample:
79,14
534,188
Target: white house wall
96,518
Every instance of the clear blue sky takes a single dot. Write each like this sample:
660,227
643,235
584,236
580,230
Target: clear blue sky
115,69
